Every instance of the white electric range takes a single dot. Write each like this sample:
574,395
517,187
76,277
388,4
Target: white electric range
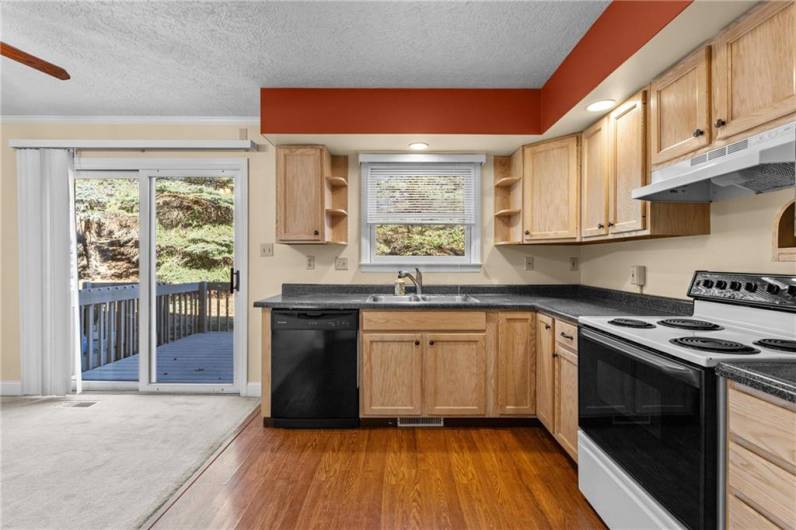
650,406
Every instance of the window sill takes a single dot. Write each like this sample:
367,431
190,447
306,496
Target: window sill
430,267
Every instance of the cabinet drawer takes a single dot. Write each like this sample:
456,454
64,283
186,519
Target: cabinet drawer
567,335
770,427
741,516
423,320
766,485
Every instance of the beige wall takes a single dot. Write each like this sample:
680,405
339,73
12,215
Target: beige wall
501,265
740,240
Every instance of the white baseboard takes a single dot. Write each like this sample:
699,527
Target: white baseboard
253,389
10,388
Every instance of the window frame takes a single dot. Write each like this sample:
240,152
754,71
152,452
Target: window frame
470,262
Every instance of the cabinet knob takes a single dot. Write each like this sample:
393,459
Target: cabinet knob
527,232
600,225
697,133
610,224
316,232
547,326
417,343
431,343
720,123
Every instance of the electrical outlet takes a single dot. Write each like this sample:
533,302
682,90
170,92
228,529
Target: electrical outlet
638,275
573,264
266,250
528,263
341,264
310,263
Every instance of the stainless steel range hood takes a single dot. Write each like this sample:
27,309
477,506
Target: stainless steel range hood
763,162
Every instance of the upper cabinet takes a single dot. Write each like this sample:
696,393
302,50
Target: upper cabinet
627,164
311,195
680,108
551,191
594,191
754,69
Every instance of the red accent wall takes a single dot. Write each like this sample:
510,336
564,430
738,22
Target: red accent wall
395,110
619,32
622,29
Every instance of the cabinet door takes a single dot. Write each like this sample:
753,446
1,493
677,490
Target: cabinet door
754,69
391,374
299,193
680,108
627,164
594,179
566,401
551,190
454,374
516,363
545,340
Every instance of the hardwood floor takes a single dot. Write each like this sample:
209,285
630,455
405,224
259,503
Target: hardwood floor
385,478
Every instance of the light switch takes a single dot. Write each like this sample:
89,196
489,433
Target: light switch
341,264
266,250
310,263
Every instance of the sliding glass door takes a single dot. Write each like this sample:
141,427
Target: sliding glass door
159,256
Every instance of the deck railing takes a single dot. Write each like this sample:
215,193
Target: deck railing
109,322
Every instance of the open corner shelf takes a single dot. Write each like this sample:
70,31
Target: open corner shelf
785,233
508,199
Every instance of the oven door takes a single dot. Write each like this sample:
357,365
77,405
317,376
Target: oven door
655,417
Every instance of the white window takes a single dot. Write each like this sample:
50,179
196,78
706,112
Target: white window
421,211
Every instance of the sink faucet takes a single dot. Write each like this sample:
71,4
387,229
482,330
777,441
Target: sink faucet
417,279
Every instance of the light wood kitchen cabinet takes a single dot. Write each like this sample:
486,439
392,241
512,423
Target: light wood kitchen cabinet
516,363
566,401
392,374
761,459
627,165
508,198
594,178
545,371
680,108
311,195
551,191
454,374
754,69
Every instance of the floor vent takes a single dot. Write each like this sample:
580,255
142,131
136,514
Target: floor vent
421,422
78,404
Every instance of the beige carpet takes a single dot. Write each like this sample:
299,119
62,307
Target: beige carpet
109,465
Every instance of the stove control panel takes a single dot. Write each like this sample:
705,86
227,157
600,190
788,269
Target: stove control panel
774,291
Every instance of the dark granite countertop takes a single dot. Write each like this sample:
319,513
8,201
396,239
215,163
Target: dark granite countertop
563,301
777,378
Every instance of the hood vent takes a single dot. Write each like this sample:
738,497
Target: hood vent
758,164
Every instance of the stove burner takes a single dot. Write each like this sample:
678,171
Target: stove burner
778,344
710,344
690,323
631,323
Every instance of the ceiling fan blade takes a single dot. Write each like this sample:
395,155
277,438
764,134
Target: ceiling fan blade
15,54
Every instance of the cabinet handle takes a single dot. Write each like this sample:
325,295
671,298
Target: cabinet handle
527,232
697,133
720,123
431,343
600,225
547,326
568,337
417,343
610,224
555,354
316,233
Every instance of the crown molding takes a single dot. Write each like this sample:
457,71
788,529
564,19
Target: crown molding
191,120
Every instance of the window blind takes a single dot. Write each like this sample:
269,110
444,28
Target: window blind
421,193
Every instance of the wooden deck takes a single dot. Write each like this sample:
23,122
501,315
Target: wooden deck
198,358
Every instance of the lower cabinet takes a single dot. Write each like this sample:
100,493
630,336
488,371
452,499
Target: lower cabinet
454,374
557,381
516,363
391,374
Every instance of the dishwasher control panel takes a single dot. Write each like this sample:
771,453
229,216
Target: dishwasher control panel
314,320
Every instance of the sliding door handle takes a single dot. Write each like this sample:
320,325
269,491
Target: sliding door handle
234,280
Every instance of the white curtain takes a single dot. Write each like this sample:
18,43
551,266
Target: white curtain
48,312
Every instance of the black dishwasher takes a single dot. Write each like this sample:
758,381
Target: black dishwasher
314,368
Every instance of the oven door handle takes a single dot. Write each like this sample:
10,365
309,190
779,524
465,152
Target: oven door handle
671,368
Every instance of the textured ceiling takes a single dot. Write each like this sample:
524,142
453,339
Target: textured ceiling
211,58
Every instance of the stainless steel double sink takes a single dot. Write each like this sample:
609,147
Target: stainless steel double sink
419,299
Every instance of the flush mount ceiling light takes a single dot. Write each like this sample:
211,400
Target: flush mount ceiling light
603,104
418,146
